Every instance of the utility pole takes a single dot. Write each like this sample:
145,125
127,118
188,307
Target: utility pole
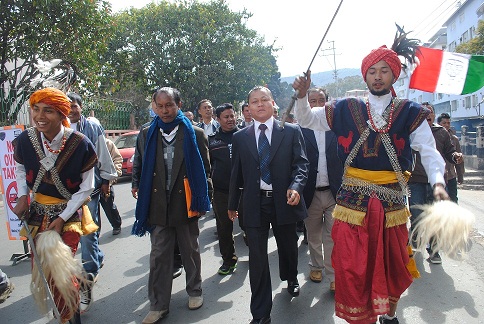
335,71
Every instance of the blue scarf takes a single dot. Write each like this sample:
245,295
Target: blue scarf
194,165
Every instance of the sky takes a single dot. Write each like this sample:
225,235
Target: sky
360,26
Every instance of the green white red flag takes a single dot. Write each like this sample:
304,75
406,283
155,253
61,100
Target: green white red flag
447,72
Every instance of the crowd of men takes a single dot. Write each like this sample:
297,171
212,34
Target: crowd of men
339,167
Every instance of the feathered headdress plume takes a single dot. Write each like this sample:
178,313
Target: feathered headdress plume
55,73
405,47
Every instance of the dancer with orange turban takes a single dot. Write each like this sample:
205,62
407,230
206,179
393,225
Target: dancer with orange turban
56,164
375,138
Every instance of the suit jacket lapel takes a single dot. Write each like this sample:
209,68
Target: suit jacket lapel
251,143
330,137
312,139
276,140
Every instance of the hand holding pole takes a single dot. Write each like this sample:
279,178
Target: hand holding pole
294,97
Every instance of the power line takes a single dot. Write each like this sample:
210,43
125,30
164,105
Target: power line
436,19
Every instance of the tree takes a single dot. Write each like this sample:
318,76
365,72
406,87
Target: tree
337,90
203,49
75,31
475,45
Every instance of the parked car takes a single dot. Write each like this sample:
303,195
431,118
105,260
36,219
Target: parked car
126,144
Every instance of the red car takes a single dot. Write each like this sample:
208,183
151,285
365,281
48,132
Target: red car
126,144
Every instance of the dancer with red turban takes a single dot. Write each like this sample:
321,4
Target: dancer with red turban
376,137
56,164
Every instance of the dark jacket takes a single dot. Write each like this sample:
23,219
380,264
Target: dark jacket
454,170
220,149
288,166
169,208
445,147
333,162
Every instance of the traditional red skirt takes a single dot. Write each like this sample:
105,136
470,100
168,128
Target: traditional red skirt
370,266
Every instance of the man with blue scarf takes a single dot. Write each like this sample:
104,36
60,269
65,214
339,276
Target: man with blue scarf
168,153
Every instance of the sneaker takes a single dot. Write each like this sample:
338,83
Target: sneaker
5,291
384,320
116,231
435,258
85,293
226,269
195,302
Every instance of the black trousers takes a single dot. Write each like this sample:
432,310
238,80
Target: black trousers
111,210
225,227
259,272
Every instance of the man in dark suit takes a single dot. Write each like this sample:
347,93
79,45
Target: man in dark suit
270,164
167,153
320,193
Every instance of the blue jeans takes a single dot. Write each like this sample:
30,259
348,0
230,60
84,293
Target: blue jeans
420,194
92,256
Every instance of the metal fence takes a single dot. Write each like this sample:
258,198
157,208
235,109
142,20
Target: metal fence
113,114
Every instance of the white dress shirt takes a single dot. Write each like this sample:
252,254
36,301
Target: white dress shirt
421,139
78,198
270,125
208,128
322,179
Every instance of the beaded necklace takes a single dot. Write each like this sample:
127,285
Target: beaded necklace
390,118
63,144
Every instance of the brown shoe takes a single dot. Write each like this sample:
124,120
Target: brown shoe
332,286
155,316
316,275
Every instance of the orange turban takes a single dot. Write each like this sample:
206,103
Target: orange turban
55,98
382,54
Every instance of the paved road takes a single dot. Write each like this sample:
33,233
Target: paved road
447,293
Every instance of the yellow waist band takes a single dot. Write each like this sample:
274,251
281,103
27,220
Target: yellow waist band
376,177
47,200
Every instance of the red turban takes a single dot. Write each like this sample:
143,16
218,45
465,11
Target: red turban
382,54
55,98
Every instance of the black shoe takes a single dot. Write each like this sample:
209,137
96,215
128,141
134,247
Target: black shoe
263,320
293,288
76,319
300,227
387,321
116,231
177,272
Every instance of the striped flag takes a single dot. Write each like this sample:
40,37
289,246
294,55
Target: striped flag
447,72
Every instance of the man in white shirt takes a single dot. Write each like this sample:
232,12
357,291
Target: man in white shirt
205,111
320,193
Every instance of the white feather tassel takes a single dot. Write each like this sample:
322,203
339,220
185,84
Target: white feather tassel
60,268
445,224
